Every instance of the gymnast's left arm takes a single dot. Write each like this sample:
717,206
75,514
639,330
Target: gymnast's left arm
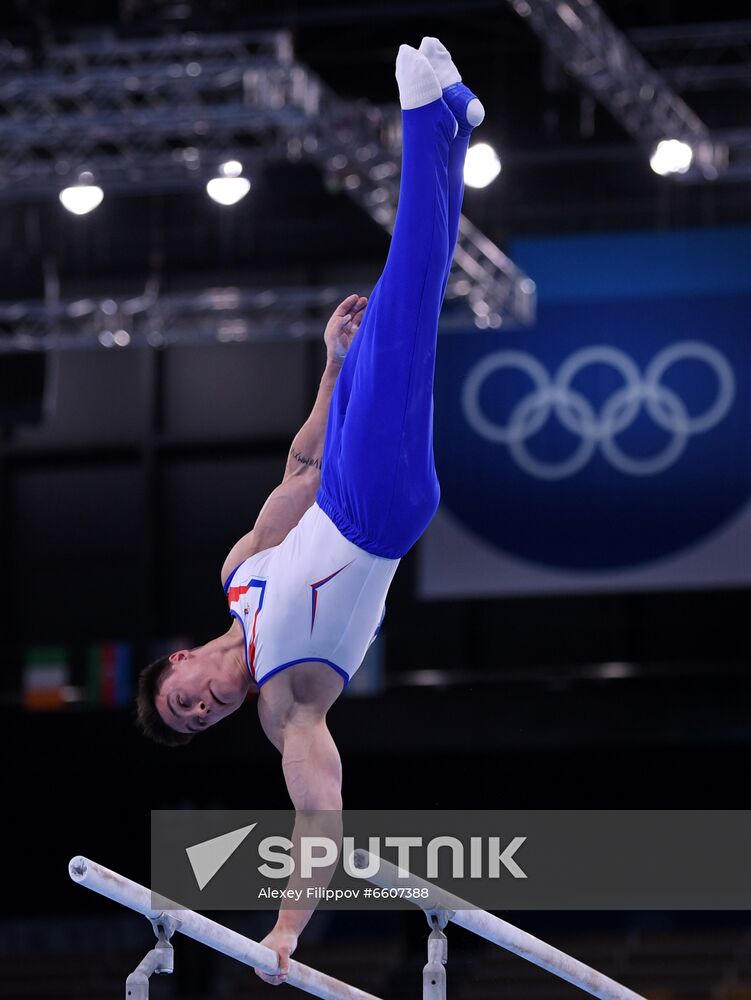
306,453
294,495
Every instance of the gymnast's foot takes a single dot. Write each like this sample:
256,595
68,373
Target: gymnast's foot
465,107
418,84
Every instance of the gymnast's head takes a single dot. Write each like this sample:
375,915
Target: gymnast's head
187,692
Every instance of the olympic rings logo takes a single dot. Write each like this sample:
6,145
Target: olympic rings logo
578,415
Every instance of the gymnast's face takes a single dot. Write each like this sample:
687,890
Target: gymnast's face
197,692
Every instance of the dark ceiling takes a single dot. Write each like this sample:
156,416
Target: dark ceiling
567,165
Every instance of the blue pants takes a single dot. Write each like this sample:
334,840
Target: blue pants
378,483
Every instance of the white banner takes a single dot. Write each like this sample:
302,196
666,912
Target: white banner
454,562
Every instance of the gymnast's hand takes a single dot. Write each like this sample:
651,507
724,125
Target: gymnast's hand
283,942
342,327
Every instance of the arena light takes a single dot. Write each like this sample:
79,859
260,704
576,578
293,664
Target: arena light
671,156
230,187
82,198
481,165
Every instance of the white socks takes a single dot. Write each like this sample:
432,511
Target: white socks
466,108
440,59
426,74
418,83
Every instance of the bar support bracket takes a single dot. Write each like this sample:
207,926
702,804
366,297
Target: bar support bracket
159,961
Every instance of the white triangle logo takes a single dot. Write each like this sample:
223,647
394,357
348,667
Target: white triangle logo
208,857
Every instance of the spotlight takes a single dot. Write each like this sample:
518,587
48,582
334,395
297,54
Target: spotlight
84,197
229,187
671,156
481,166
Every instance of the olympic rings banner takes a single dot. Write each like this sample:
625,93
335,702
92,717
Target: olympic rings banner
609,447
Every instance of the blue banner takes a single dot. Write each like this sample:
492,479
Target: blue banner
612,435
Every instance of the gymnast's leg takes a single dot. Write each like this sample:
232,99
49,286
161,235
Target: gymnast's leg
378,483
469,113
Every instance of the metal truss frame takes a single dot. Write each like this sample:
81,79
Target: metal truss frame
162,319
700,57
640,98
159,114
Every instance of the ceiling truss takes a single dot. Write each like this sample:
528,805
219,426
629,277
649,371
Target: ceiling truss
163,114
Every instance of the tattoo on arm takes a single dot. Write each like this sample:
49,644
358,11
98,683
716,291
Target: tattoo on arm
304,460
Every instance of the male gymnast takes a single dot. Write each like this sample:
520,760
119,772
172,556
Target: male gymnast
307,586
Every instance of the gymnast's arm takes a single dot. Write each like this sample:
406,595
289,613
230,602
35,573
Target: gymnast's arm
297,490
313,774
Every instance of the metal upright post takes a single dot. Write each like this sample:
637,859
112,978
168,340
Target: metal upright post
434,973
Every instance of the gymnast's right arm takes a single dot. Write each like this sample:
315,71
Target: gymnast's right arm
302,475
313,774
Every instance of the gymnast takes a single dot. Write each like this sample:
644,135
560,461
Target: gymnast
307,586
